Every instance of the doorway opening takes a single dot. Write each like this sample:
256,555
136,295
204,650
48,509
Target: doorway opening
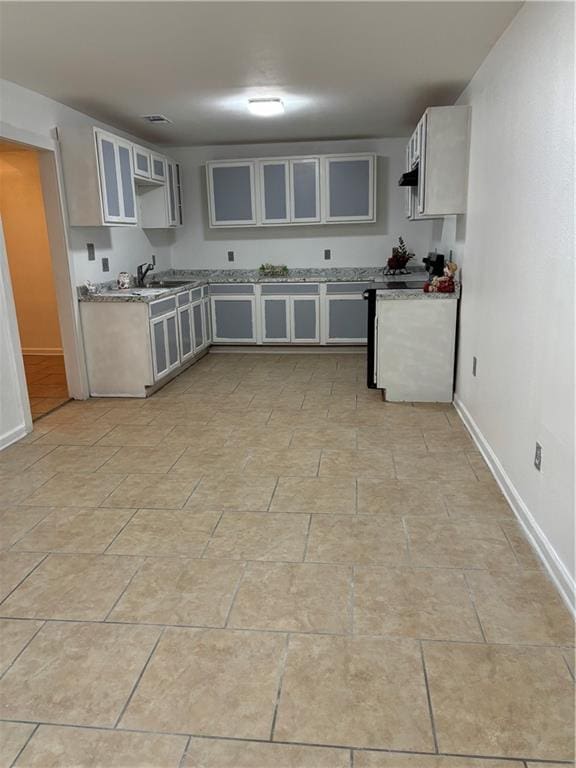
30,266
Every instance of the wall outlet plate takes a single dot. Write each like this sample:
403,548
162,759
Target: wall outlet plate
230,255
105,264
474,365
327,254
91,251
538,457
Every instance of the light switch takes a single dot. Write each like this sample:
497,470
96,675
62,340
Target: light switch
91,252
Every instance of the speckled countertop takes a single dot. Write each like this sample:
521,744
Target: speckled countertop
415,293
108,292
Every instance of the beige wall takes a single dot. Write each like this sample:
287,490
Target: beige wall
25,233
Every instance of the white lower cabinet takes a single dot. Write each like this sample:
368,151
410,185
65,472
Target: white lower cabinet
165,344
185,332
305,319
234,313
290,313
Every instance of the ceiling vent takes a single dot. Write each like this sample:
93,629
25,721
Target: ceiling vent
156,119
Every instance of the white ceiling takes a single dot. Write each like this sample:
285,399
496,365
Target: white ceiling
343,69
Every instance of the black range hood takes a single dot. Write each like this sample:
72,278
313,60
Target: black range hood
409,179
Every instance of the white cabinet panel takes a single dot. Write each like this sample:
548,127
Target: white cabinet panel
185,331
346,319
116,177
142,162
276,324
349,188
233,319
232,193
305,319
274,176
305,190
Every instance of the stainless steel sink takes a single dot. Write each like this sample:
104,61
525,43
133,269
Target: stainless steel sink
167,283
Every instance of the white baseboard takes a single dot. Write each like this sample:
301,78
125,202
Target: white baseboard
558,572
11,437
38,351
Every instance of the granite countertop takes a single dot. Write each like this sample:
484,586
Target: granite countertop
415,293
107,292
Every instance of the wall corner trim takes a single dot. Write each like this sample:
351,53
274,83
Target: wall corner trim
560,575
11,437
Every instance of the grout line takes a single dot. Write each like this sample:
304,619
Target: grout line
21,651
429,698
283,659
38,564
234,595
46,516
352,598
122,593
273,494
307,539
128,521
23,747
133,691
473,603
185,752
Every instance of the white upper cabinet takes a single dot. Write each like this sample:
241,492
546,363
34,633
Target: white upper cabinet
116,174
142,162
349,188
158,168
305,190
275,204
292,190
438,151
232,193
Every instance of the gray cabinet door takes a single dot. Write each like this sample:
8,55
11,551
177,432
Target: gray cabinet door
141,162
275,319
233,319
172,341
109,182
207,320
274,191
185,329
305,320
158,168
349,188
347,319
231,193
198,325
127,182
159,351
171,192
305,190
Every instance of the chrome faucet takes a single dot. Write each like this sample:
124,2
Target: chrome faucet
142,270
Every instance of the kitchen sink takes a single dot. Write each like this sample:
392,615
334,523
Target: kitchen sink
167,283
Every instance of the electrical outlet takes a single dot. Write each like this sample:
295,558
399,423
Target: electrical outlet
474,365
105,264
327,254
230,255
91,252
538,457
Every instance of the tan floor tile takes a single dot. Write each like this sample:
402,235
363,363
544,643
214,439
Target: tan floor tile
287,400
161,491
138,436
17,458
192,434
301,462
166,532
213,753
15,566
399,498
357,463
477,501
241,418
315,401
383,760
77,458
420,466
73,433
71,529
77,587
324,437
74,490
520,608
362,692
319,494
415,603
501,700
134,460
16,521
259,536
524,552
201,460
447,440
259,437
462,544
294,597
13,736
209,681
357,539
378,438
570,657
76,674
14,635
15,489
284,417
54,746
233,491
180,591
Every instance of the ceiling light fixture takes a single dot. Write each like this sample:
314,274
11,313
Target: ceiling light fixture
266,107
